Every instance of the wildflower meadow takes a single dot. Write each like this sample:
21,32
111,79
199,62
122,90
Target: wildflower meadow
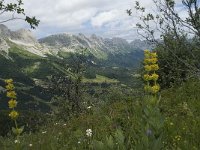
152,119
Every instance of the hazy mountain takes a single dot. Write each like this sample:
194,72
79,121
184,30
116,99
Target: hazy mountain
95,44
54,44
23,38
22,35
139,44
30,62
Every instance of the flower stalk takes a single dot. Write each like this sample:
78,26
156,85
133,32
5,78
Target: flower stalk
12,104
150,76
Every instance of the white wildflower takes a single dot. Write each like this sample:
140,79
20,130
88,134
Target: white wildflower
89,107
44,132
17,141
30,145
89,132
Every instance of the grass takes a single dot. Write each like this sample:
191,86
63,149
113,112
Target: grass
64,54
119,120
122,121
100,54
31,69
15,49
100,79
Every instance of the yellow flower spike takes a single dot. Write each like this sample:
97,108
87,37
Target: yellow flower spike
10,87
13,114
150,61
150,66
154,60
146,61
147,56
147,77
147,68
155,89
11,94
9,81
146,51
154,67
154,77
12,103
154,55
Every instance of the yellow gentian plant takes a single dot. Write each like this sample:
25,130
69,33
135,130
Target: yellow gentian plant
150,76
152,116
12,104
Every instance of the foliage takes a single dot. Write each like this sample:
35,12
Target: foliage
31,73
173,70
13,8
90,73
177,46
120,122
32,121
68,89
112,116
100,79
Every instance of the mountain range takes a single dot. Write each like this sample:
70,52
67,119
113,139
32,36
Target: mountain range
52,45
30,62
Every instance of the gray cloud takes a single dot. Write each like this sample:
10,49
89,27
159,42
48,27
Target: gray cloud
106,18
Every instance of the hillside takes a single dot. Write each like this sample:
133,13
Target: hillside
119,121
98,46
89,81
31,63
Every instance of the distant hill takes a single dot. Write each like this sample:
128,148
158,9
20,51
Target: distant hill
30,62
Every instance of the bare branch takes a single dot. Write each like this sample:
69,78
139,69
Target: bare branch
11,20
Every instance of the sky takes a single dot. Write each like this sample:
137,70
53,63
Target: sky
106,18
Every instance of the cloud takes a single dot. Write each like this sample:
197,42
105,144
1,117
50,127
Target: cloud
85,16
106,18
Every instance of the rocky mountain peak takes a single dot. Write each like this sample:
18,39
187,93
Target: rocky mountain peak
95,37
25,36
94,43
22,36
4,31
141,44
67,42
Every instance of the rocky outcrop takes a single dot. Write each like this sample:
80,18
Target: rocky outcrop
22,36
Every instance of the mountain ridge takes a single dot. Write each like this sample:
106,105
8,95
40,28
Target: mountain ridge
65,42
30,63
93,42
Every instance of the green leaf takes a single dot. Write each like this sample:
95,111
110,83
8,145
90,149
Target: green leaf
18,131
110,142
98,145
119,136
